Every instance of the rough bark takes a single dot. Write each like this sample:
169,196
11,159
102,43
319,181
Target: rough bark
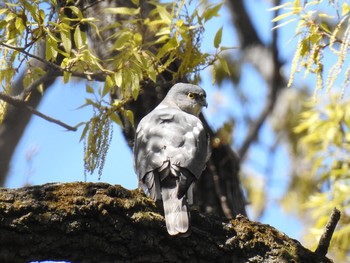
86,222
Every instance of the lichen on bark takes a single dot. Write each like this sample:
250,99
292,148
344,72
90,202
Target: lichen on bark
99,222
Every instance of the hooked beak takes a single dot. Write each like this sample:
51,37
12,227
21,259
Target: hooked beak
204,102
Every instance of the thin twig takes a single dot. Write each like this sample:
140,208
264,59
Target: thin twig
56,69
49,75
22,50
255,128
21,104
223,198
326,237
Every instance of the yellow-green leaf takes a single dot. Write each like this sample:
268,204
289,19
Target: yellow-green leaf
76,11
211,12
164,14
78,39
123,10
66,41
108,85
280,17
66,76
345,9
123,40
280,6
138,39
130,116
89,89
118,78
114,117
218,37
51,49
19,24
85,130
296,7
225,66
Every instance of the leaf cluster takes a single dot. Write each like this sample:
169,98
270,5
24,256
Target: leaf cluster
320,33
325,181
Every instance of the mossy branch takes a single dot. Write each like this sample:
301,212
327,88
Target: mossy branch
98,222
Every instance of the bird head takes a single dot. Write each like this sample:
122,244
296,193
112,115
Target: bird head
189,98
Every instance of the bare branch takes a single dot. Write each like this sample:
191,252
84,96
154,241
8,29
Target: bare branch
326,237
21,104
222,197
255,128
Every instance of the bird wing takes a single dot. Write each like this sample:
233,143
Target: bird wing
170,135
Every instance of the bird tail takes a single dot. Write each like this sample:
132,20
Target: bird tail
176,210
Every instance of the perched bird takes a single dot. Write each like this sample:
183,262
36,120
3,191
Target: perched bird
170,153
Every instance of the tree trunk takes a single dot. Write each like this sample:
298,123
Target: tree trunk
98,222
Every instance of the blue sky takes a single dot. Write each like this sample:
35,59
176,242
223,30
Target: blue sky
58,155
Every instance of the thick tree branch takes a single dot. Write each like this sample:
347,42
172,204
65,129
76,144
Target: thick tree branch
86,222
265,60
245,29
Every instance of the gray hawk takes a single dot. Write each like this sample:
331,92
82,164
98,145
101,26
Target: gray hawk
170,153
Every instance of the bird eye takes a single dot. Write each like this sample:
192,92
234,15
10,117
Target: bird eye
190,95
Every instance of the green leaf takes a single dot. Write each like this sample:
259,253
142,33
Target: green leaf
164,14
78,39
296,7
223,48
76,11
114,117
284,23
108,85
211,12
19,24
130,116
118,78
66,41
66,76
51,49
3,11
135,89
123,40
345,9
217,39
305,48
279,6
123,10
280,17
138,39
225,66
85,130
166,48
152,74
89,89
